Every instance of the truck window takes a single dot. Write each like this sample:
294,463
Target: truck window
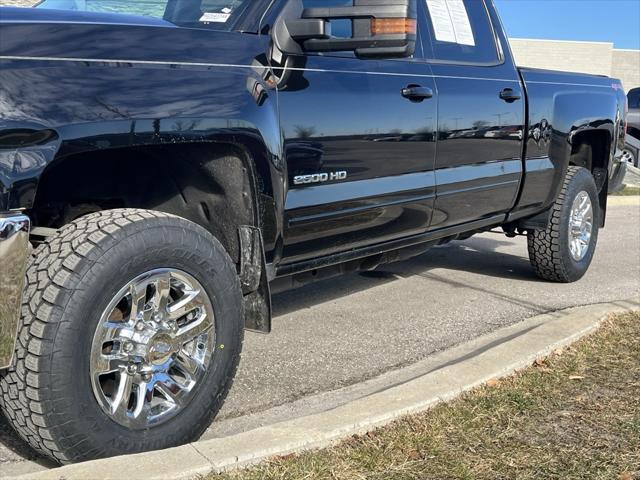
460,32
634,98
216,14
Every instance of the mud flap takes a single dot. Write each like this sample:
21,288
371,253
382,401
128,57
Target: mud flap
254,281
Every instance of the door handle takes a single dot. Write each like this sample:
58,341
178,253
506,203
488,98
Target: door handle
509,95
416,93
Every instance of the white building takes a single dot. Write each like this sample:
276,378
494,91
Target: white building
599,58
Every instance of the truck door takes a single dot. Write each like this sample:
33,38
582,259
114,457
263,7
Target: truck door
481,112
360,150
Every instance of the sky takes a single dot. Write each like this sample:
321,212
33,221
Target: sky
616,21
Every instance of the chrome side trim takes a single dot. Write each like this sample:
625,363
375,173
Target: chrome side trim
14,252
569,84
120,62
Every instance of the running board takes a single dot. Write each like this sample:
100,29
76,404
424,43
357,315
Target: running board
329,260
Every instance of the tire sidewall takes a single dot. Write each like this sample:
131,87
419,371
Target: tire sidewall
581,181
142,250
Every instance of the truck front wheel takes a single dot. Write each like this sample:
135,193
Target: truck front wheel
131,333
564,250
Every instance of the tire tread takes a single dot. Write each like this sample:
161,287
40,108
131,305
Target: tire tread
545,250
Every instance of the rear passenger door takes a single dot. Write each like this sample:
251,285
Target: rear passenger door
481,112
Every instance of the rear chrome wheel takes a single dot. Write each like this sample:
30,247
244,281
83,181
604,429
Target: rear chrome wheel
152,346
629,157
580,226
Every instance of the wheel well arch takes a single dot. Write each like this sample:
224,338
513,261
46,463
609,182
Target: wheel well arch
633,131
212,184
591,149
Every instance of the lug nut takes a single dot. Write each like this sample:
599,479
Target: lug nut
139,326
128,347
146,377
132,369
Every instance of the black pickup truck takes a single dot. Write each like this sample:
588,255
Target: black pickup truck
166,164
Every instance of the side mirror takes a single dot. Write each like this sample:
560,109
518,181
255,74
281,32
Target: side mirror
379,29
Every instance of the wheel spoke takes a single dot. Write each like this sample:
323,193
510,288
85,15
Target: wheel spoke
583,202
194,329
162,292
189,365
173,391
188,303
144,395
138,292
109,363
120,401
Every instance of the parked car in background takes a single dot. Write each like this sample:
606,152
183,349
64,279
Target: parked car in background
632,141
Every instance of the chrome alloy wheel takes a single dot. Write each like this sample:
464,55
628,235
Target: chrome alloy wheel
152,346
627,156
580,226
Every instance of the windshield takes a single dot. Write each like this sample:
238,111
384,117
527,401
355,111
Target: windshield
218,14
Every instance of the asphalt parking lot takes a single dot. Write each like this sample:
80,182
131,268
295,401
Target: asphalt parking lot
348,329
343,331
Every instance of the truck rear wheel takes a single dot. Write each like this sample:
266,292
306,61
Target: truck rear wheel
131,333
564,250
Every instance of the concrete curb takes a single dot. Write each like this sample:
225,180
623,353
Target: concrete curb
510,349
622,201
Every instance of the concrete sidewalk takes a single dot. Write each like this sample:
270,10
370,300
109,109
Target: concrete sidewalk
347,412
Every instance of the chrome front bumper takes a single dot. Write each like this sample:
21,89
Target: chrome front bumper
14,252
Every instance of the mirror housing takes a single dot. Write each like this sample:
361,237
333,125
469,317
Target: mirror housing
380,28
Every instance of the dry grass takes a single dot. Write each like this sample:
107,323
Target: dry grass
575,415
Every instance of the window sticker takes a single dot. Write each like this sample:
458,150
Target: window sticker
461,23
215,17
441,20
450,21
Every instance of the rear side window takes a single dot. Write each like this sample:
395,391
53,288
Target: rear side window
217,14
634,98
460,31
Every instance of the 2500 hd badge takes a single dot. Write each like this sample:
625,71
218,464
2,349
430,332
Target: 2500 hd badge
319,178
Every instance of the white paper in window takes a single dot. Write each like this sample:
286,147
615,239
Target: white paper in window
460,21
441,20
215,17
451,21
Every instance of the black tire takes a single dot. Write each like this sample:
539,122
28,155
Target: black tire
549,251
48,396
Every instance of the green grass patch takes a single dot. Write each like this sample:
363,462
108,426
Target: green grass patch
574,415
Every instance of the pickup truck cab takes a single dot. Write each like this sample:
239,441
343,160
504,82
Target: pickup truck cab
164,165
